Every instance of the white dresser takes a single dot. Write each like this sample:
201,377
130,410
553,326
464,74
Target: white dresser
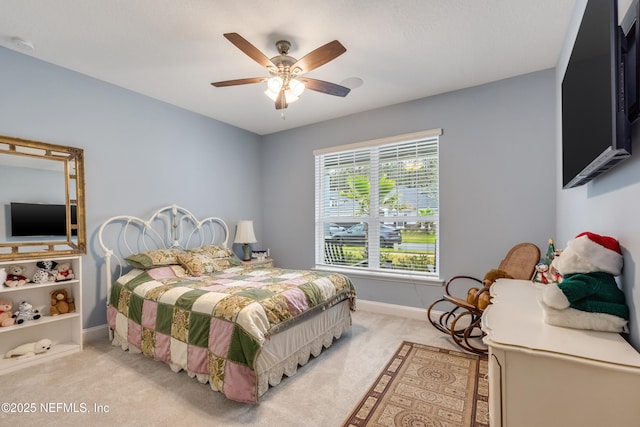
543,375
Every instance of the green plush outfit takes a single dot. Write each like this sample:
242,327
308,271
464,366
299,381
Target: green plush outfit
594,292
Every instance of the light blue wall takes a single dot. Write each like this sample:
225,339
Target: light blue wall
140,154
497,177
608,205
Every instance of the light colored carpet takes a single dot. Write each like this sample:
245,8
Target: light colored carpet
426,386
69,390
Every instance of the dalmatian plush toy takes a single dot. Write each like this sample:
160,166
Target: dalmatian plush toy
45,272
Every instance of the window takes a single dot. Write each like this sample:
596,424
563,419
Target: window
377,205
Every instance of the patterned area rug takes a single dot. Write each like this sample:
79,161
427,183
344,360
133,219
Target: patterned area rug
426,386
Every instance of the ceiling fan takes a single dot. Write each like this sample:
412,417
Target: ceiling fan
285,84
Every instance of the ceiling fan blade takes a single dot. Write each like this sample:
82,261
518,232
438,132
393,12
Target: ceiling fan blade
325,87
319,57
281,102
249,49
237,82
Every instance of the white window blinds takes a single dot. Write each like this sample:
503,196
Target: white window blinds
377,204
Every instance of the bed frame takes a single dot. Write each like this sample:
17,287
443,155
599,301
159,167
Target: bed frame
176,227
169,227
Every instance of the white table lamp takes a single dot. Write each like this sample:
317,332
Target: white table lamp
245,235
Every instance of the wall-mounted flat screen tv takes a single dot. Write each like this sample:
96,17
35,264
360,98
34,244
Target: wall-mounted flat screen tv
599,99
40,219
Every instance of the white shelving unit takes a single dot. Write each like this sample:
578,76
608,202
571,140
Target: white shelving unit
65,330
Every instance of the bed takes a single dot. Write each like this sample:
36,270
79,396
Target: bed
176,293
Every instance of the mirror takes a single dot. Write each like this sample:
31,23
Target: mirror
42,206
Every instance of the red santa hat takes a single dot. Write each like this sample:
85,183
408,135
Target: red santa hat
601,251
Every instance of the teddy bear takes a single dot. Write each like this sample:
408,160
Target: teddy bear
29,349
484,299
6,315
587,295
44,273
61,303
15,276
63,272
26,312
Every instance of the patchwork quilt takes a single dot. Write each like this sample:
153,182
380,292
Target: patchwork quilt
214,326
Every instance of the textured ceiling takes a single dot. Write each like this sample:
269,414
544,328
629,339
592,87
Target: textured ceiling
401,49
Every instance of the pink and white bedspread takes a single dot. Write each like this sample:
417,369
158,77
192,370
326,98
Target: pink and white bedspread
215,326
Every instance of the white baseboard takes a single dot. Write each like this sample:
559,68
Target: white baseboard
96,333
392,309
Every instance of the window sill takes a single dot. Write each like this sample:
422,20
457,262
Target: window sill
379,275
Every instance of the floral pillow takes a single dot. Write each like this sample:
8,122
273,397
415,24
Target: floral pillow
155,258
199,263
214,251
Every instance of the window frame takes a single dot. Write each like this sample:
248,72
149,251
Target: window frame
374,216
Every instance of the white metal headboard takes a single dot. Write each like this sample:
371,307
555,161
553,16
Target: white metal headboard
169,227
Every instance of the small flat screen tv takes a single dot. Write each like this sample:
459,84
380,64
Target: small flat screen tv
599,99
40,219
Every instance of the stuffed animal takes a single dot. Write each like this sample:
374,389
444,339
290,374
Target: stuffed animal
484,299
61,303
26,312
15,276
6,315
29,349
63,272
542,274
588,296
44,273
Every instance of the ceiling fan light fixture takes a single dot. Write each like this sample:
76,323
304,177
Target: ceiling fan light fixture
271,94
289,96
275,84
296,86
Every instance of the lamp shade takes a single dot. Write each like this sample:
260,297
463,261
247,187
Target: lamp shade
244,232
296,86
274,84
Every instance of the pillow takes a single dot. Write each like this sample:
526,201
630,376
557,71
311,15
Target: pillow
199,263
214,251
155,258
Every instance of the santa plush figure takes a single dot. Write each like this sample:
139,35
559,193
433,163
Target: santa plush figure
588,296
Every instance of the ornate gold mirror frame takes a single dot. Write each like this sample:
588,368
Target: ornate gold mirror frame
29,169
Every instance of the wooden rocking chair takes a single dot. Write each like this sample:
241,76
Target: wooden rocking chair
462,321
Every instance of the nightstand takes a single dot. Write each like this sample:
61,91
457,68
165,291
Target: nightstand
267,262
